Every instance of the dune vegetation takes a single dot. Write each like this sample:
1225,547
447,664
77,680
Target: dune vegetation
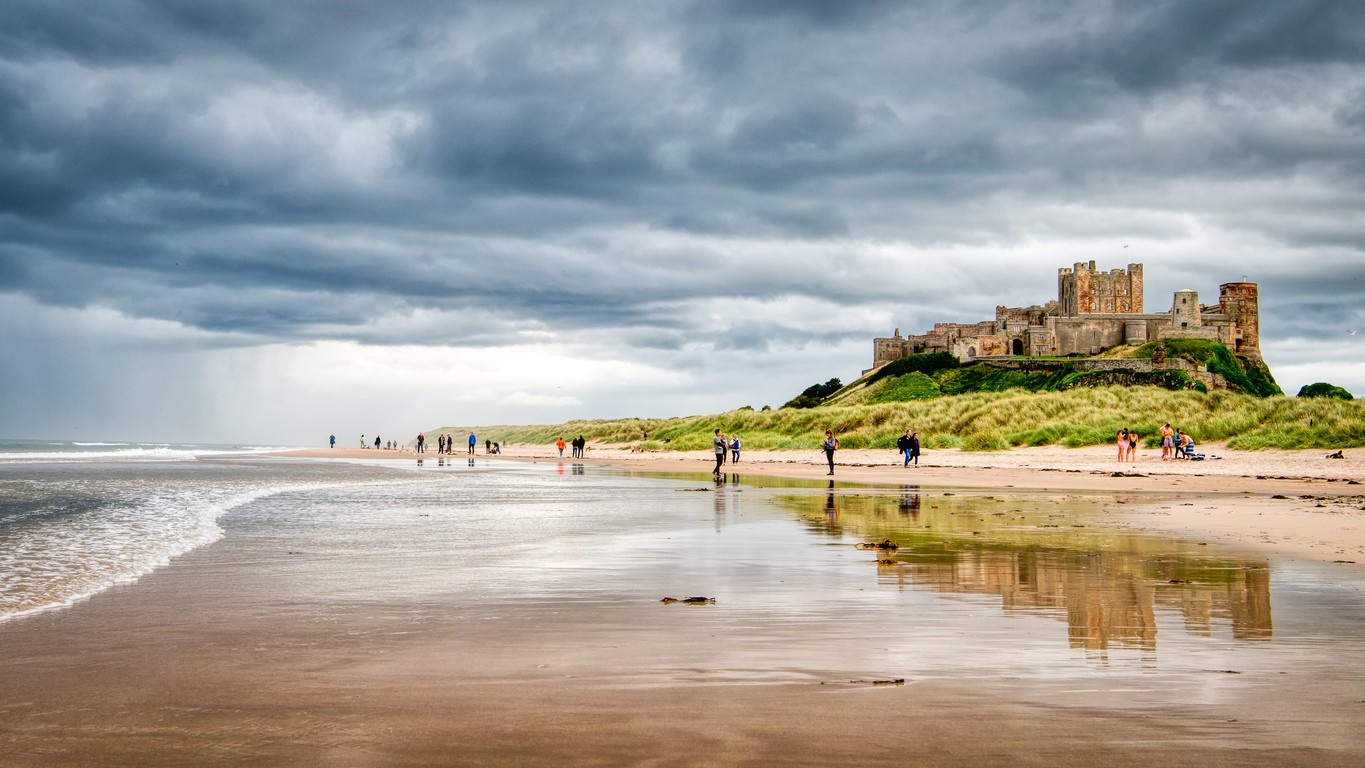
985,421
981,407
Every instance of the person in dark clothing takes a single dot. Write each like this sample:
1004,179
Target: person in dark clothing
720,445
830,445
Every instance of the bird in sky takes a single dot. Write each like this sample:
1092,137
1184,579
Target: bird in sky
1351,332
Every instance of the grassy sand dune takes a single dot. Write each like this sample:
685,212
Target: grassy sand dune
990,421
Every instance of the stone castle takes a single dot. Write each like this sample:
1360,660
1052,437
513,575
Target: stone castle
1093,312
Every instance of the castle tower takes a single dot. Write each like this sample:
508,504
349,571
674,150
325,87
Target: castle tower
1240,303
1185,310
1081,290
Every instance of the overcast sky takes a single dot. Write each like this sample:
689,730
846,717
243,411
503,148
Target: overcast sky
264,221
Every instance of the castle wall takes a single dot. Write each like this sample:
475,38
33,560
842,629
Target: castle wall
1090,335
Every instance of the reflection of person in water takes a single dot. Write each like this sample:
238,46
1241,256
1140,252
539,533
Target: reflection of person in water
910,501
831,512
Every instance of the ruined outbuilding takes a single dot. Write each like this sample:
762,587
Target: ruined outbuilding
1094,311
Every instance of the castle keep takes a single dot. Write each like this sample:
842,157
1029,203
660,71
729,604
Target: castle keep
1093,312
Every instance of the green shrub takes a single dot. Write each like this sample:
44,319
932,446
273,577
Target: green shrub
815,394
1323,389
922,363
1242,374
912,386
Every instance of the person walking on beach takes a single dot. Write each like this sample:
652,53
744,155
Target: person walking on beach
913,453
473,441
734,449
1167,441
363,444
903,447
331,441
719,443
830,445
1122,440
560,445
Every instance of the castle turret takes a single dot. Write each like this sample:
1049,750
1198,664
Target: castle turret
1185,310
1241,304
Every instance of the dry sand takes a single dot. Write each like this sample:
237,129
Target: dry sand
1295,503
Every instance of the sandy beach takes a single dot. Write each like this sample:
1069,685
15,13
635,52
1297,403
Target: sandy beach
280,645
1297,503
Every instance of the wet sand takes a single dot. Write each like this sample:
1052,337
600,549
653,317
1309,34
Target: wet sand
205,663
1293,503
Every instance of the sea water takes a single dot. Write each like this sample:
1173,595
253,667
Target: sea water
79,517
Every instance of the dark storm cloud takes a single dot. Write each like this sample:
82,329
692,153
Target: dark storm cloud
308,170
1147,46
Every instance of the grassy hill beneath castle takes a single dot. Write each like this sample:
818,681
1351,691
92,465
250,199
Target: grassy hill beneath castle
928,376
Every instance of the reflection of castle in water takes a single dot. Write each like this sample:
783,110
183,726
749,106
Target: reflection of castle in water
1108,588
1110,599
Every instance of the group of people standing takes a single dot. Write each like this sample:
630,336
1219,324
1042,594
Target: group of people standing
578,444
446,444
1127,440
724,445
1175,444
379,443
908,444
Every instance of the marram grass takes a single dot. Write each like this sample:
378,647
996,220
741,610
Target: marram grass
989,421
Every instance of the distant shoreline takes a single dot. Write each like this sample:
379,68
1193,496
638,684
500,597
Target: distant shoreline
1295,503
